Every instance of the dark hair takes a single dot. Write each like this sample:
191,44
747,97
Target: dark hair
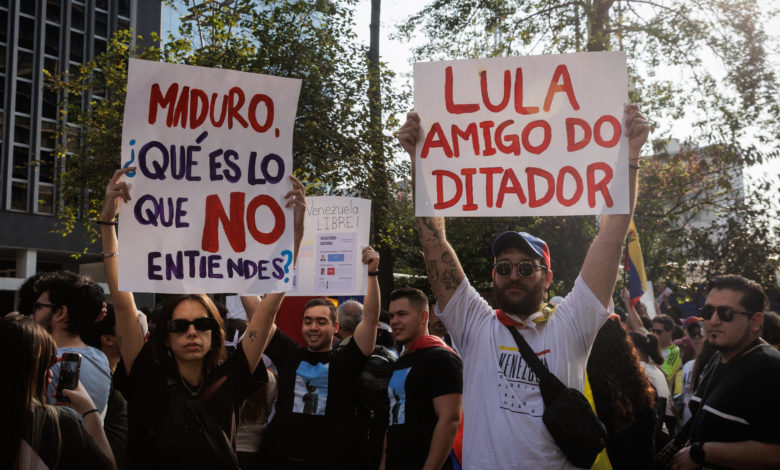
160,334
24,386
666,321
620,313
771,328
753,297
621,389
322,301
416,297
647,323
106,326
648,344
677,332
27,295
80,294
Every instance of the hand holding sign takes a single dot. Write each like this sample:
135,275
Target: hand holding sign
116,189
637,131
370,259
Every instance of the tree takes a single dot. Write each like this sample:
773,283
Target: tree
734,114
311,40
743,240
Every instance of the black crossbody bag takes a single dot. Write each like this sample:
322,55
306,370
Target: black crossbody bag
567,414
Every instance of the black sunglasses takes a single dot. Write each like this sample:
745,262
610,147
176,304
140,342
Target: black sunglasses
524,268
724,313
180,325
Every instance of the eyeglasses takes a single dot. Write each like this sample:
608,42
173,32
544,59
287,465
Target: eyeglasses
180,325
657,332
40,305
695,334
724,313
524,268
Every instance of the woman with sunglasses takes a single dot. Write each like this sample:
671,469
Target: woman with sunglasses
183,399
34,433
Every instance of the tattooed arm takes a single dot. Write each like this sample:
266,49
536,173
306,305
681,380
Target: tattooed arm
262,313
444,271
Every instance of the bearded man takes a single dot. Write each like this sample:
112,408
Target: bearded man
502,404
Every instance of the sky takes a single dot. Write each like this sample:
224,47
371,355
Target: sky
398,56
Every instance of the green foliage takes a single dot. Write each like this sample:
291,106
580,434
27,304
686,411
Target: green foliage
309,40
727,88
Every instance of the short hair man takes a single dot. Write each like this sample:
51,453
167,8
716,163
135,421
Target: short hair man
663,327
350,313
735,408
314,405
68,305
502,403
424,390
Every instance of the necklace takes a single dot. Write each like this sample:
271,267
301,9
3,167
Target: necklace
193,393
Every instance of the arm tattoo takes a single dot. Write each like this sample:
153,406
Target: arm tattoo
252,335
449,279
434,225
433,271
447,259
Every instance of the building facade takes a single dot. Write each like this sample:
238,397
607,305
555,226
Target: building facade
56,36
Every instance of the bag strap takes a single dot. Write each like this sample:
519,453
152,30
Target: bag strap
551,382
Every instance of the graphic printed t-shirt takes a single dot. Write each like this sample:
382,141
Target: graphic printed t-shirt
741,404
502,404
148,392
418,377
95,375
314,405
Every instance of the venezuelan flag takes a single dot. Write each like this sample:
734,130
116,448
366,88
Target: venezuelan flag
635,265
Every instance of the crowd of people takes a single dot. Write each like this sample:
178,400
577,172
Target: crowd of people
431,383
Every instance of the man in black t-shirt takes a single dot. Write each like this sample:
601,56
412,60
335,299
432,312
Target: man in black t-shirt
311,428
735,408
424,390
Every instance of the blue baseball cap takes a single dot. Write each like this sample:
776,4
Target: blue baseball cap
525,240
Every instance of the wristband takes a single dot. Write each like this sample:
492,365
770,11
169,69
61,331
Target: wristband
110,255
93,410
634,167
696,452
103,222
373,273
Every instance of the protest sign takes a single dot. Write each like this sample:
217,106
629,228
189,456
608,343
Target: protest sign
515,136
213,151
329,263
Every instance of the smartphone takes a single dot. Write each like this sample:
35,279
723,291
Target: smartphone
70,366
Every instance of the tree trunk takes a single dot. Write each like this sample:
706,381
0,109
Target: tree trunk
379,187
598,25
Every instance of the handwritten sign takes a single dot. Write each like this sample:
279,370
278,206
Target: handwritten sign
213,151
515,136
329,263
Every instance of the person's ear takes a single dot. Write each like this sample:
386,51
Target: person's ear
62,313
756,320
548,280
336,327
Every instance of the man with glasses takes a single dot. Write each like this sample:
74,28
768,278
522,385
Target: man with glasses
663,327
68,305
502,404
735,407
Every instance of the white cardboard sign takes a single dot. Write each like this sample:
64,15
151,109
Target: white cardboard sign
522,136
329,263
213,151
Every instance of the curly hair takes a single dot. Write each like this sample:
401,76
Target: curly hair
621,389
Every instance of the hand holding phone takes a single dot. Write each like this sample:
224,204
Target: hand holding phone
70,366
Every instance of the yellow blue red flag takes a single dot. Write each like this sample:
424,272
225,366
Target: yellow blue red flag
635,265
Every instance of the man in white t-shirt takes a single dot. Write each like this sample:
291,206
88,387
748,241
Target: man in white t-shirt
502,405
